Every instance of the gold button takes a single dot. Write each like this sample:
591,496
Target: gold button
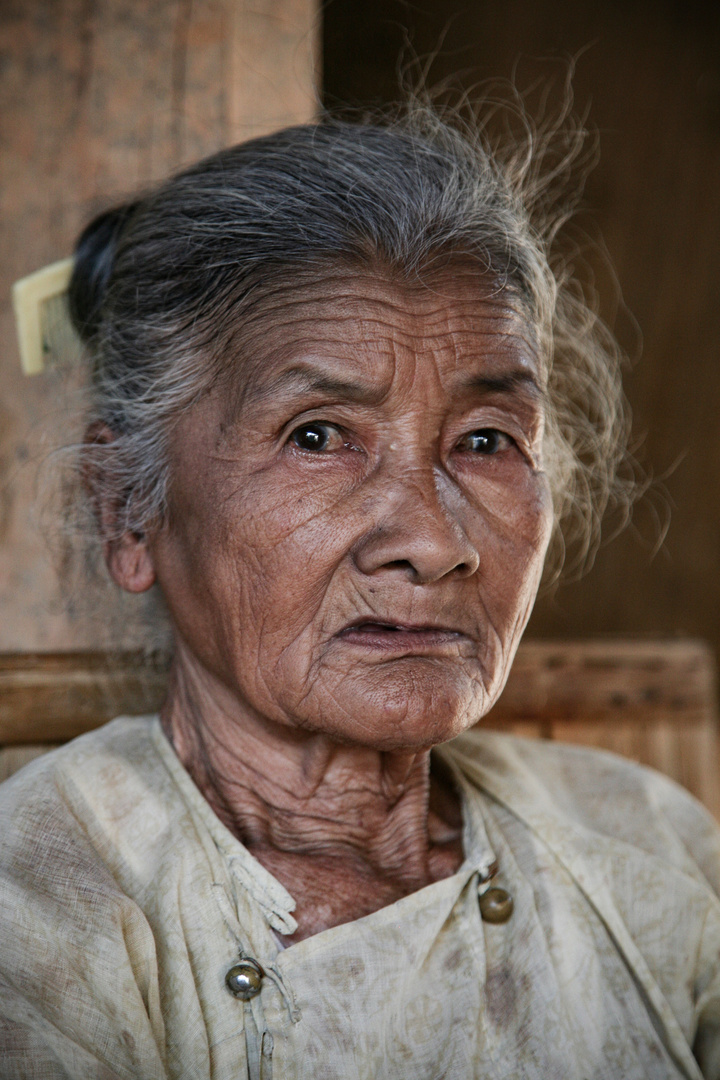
496,906
244,979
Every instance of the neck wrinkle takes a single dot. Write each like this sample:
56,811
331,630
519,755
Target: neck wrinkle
289,795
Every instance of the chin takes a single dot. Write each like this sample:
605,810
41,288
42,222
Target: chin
415,711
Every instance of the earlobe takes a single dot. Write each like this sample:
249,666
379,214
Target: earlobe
130,563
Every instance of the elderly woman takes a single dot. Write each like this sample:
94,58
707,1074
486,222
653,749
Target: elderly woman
337,411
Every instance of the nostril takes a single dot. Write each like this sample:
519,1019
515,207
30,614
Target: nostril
463,569
420,553
405,566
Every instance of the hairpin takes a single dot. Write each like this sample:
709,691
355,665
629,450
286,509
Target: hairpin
44,329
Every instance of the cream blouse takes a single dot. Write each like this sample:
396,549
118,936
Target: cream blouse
124,901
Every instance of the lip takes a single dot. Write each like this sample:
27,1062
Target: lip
383,635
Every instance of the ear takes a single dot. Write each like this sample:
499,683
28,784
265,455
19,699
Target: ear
127,554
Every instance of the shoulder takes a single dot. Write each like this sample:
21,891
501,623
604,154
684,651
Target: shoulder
594,792
60,814
66,919
105,804
67,788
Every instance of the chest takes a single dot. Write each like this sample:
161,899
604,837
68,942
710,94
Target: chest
424,988
428,993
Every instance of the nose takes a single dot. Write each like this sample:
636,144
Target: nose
416,533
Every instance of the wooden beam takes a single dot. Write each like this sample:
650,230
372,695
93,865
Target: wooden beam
51,697
653,701
624,680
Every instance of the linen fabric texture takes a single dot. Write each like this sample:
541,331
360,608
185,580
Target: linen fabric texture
124,901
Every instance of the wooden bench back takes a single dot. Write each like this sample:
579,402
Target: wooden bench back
654,701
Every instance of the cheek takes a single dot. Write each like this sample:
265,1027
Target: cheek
532,521
534,527
514,508
514,527
261,553
291,524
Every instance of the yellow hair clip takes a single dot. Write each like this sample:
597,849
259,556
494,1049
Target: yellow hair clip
45,332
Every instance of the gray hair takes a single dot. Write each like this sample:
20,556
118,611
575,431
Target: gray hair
162,285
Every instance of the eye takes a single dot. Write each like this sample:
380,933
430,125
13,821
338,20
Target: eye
317,437
485,441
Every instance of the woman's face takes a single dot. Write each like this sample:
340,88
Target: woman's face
356,537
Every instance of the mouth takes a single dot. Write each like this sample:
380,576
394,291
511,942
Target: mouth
406,638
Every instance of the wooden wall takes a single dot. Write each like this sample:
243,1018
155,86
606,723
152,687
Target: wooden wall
650,74
99,98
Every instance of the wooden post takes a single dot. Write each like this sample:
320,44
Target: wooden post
100,99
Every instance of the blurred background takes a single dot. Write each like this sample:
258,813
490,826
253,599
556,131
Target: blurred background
648,74
100,97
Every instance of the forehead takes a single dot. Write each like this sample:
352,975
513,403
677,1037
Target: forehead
453,326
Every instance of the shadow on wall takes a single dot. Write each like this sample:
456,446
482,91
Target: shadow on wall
653,197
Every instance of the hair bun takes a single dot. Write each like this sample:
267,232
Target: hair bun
94,257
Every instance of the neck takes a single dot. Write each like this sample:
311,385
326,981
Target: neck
347,829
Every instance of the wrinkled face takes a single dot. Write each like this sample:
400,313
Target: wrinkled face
356,539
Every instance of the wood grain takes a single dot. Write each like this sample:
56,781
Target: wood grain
99,99
608,681
52,697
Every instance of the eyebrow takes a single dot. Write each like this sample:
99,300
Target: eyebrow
311,381
502,384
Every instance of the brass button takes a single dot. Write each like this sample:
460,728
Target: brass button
496,906
244,979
